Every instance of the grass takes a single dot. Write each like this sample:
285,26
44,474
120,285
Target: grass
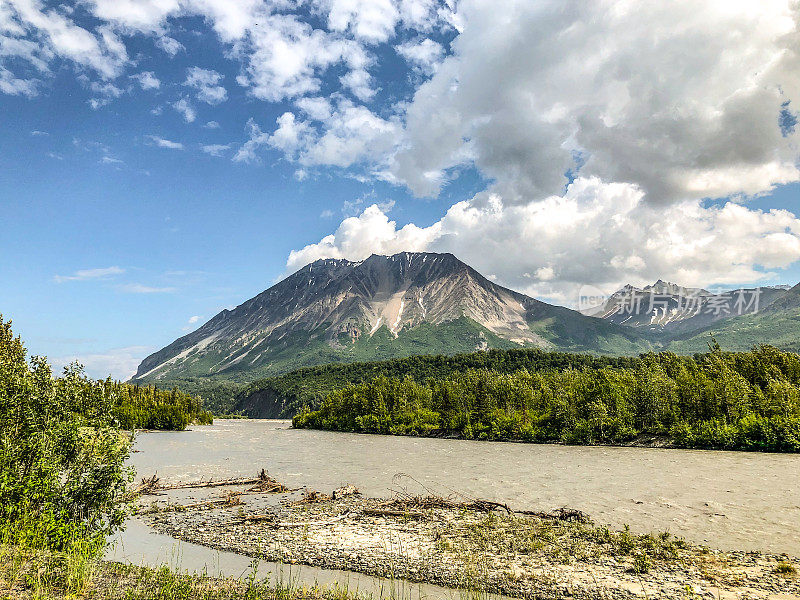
560,541
786,568
28,575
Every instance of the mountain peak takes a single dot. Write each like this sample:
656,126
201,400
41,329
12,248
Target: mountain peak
334,309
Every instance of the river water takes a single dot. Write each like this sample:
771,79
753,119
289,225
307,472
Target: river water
728,500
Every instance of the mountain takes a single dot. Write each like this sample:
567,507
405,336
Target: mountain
777,324
670,309
379,308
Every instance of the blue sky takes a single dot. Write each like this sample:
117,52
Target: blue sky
160,161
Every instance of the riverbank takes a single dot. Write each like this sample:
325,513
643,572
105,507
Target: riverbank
45,578
462,544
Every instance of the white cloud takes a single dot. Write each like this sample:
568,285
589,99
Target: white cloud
351,135
285,56
359,82
162,143
215,149
348,136
596,233
106,93
370,20
118,363
138,288
147,80
291,134
14,86
110,160
258,138
681,98
37,133
194,319
358,237
424,55
101,51
89,274
184,107
169,45
208,85
145,16
211,125
319,109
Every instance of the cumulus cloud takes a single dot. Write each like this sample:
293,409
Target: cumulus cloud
208,85
105,93
680,98
15,86
358,237
595,233
90,274
350,134
147,80
54,34
215,149
423,55
169,45
185,108
163,143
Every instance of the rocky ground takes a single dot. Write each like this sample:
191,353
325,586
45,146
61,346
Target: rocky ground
464,544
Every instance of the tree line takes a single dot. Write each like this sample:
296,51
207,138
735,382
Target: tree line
286,395
719,400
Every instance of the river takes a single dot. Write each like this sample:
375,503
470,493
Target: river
728,500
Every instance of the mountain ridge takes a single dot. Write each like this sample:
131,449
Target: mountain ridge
382,307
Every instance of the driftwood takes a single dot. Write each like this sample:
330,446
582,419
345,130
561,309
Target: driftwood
312,497
375,512
268,485
559,514
428,502
231,499
347,490
147,487
262,483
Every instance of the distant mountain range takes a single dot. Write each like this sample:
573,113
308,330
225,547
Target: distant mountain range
671,308
424,303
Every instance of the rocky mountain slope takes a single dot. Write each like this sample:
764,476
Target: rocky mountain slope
670,309
379,308
777,324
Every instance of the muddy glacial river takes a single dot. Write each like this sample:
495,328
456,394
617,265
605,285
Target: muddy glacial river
728,500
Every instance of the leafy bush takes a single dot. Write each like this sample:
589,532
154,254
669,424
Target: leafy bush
62,473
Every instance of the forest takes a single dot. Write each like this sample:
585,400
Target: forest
718,400
286,395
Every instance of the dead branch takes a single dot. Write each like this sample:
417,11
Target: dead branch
347,490
312,497
375,512
559,514
231,499
268,485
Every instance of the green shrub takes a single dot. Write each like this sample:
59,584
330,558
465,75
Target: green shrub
62,473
